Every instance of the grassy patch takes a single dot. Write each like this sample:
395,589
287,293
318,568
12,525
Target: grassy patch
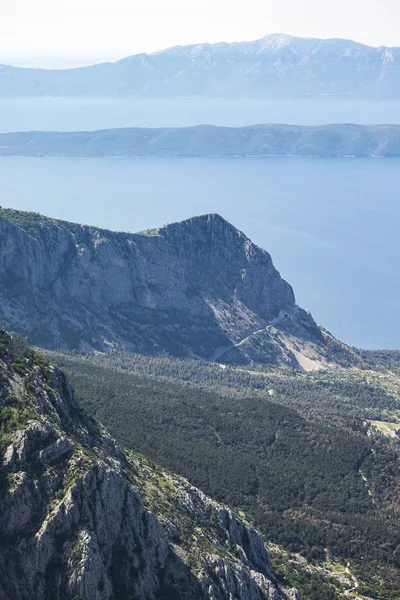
149,232
30,222
386,428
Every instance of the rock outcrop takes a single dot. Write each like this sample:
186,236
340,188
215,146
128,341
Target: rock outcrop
199,288
81,519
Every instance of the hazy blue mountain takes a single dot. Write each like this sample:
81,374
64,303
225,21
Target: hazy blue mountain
208,140
276,65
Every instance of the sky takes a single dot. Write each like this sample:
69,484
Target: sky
64,33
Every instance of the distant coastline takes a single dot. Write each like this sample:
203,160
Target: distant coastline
262,141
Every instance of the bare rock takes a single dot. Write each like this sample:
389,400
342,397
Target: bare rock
195,288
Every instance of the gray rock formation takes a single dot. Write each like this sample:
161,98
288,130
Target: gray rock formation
199,288
72,520
337,140
277,65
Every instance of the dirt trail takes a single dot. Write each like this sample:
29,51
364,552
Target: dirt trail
221,351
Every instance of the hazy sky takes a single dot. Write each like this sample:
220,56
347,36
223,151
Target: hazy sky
69,32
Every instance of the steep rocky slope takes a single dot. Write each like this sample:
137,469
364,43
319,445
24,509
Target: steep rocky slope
199,288
73,523
276,65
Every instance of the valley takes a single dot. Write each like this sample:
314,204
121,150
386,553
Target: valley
295,461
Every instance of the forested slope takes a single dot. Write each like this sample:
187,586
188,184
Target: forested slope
316,479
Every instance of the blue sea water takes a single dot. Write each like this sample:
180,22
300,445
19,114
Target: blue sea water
68,114
332,226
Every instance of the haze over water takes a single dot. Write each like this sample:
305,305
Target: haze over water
69,114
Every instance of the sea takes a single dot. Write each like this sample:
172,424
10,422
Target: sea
331,225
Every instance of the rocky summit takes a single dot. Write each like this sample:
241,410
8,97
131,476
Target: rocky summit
80,519
199,288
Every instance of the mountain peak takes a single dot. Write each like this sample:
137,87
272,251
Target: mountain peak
197,288
203,219
276,41
211,227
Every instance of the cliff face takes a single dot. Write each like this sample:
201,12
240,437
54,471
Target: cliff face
197,288
223,263
75,518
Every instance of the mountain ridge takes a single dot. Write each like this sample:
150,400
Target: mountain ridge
276,65
199,288
265,41
82,519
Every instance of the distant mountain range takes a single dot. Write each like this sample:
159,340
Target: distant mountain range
276,65
206,140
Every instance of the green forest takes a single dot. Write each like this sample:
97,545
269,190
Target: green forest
295,452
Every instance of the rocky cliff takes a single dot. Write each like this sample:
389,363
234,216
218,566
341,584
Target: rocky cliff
82,520
199,288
